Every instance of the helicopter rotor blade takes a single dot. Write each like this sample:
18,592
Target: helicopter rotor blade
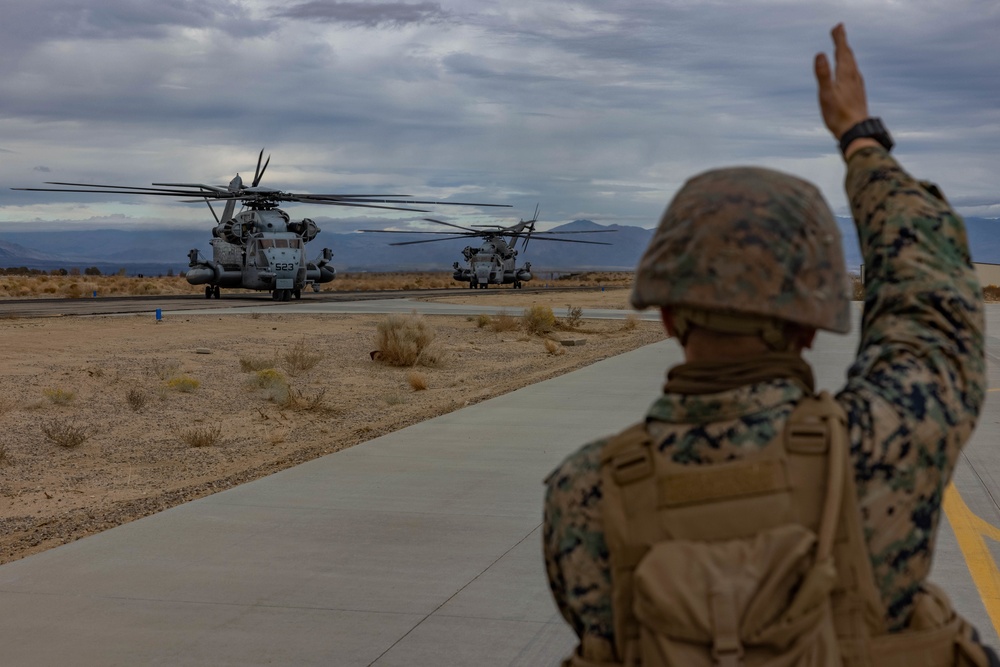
393,231
546,238
355,203
257,177
448,224
449,238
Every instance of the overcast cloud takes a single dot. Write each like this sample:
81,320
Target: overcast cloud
595,109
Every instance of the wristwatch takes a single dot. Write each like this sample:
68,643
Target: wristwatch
871,128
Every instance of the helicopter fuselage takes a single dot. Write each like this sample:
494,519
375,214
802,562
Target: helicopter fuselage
493,263
261,250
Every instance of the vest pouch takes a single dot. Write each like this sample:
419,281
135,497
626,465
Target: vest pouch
756,601
934,635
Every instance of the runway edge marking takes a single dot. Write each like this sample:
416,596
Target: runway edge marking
971,532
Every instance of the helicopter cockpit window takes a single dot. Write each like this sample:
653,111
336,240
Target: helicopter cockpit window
265,243
280,243
295,243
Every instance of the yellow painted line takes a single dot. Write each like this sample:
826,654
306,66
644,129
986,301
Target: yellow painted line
972,532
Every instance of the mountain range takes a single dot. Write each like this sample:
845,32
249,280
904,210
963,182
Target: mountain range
159,251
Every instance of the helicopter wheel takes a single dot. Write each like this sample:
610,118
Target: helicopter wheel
472,284
275,294
297,294
208,291
217,292
286,295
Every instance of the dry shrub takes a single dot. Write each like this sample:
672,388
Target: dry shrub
574,314
394,399
483,320
403,340
418,381
201,436
858,288
59,396
504,321
554,348
164,368
538,319
183,383
301,357
631,322
65,434
248,363
136,399
991,293
275,386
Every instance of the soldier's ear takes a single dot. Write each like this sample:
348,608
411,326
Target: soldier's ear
802,337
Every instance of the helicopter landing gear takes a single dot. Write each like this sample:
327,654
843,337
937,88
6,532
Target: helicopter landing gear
281,295
517,284
297,293
473,284
208,291
217,292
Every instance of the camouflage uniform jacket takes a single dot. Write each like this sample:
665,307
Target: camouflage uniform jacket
912,397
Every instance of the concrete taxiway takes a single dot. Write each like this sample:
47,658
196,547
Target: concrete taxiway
421,547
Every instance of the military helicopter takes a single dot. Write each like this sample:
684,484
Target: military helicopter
494,261
259,248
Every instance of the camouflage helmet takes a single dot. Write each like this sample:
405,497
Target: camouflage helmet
748,241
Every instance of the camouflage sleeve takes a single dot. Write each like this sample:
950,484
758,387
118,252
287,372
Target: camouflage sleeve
914,392
576,555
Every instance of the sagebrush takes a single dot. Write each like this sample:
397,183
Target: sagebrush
202,436
65,434
538,319
404,340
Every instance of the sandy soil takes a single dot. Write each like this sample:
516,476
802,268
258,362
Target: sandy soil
61,377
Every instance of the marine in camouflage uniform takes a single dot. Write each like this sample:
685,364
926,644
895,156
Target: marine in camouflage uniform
912,398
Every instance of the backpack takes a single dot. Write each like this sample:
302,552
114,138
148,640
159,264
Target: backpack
757,562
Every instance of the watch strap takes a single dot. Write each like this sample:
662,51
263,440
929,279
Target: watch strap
870,128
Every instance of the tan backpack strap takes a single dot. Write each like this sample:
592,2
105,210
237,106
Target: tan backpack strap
628,488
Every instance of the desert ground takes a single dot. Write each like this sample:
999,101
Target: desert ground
107,419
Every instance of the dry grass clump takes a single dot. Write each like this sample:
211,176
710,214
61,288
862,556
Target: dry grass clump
404,340
59,396
554,348
504,321
631,322
418,381
990,293
65,434
249,363
201,436
183,383
137,399
301,357
483,320
538,319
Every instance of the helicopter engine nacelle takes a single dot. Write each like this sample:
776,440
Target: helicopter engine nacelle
231,231
305,228
524,273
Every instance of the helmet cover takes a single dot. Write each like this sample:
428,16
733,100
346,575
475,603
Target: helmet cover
748,240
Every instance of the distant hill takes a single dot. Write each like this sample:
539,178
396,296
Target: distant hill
156,252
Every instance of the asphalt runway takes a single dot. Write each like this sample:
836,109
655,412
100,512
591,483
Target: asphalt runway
421,547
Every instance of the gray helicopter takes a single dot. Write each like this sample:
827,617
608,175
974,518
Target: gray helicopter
494,262
259,248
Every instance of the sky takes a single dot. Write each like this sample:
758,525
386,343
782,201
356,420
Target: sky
596,109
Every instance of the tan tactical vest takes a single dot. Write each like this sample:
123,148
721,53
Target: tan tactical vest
759,561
